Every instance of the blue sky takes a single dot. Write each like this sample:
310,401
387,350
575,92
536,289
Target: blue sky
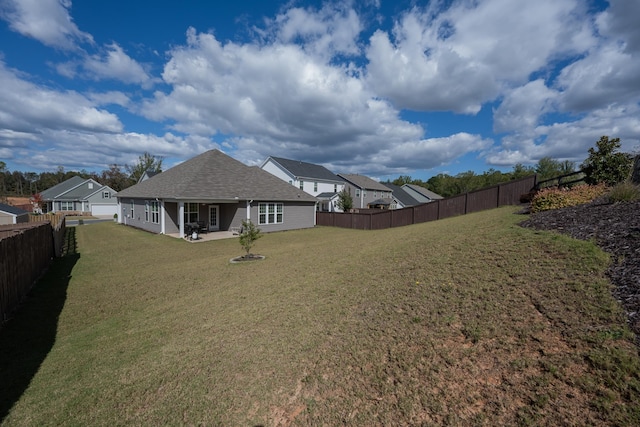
381,88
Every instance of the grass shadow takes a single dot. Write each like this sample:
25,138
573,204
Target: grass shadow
26,339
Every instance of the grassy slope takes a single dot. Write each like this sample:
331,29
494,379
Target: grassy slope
470,320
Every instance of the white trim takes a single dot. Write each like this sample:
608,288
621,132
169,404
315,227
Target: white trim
217,226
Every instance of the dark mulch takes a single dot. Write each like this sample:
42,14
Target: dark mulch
616,229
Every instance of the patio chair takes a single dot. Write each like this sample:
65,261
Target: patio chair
202,227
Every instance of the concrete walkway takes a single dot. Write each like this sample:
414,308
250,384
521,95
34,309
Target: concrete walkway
206,237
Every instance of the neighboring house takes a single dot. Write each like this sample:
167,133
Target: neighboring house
364,190
218,190
12,215
148,174
79,195
401,199
421,194
315,180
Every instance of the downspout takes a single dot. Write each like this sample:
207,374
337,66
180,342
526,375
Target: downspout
181,218
249,209
162,225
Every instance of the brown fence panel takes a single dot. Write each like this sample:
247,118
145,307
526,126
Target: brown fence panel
426,212
381,220
452,206
480,200
25,254
401,217
324,218
361,221
511,192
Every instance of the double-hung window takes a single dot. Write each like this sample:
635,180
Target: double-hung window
155,212
315,187
190,212
146,212
302,185
66,206
270,213
106,195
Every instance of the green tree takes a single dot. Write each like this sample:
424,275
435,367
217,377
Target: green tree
115,178
548,168
250,233
605,164
521,171
146,162
345,201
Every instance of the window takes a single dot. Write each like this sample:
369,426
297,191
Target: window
132,204
335,188
270,213
66,206
375,194
291,182
155,212
357,192
315,187
190,212
146,211
106,195
301,184
90,186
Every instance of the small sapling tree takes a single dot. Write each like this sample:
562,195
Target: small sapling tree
250,233
345,202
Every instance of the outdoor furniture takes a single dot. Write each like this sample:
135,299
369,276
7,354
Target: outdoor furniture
191,230
202,227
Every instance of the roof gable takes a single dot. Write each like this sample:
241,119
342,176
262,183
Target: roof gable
63,187
402,196
215,175
301,169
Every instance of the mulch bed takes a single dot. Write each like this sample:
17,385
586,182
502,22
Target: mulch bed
616,229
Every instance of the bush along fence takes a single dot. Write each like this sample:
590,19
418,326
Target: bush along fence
26,251
508,193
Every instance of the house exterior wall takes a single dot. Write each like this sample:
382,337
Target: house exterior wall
171,224
362,197
275,170
6,218
138,218
296,215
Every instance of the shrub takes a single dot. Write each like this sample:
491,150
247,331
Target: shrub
556,198
625,191
250,233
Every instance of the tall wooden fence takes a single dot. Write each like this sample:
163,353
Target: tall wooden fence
508,193
26,250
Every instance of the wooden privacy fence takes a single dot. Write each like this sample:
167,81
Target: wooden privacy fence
26,250
508,193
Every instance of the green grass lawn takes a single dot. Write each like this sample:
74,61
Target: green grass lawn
465,321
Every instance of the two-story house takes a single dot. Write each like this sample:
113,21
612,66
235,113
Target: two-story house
365,191
313,179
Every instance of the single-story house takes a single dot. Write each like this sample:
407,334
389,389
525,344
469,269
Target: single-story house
314,179
79,195
12,215
218,190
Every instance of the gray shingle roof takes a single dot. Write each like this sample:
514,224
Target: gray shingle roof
306,170
12,209
215,175
58,189
402,196
424,191
364,182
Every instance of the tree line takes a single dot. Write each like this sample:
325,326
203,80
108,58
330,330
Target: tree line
603,164
117,177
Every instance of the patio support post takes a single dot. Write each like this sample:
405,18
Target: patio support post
181,218
163,230
249,210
